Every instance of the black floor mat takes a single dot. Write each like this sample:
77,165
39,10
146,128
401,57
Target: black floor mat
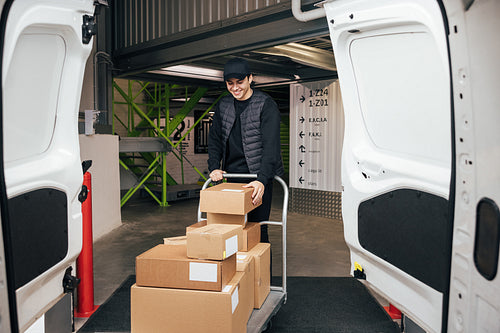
114,314
314,305
330,304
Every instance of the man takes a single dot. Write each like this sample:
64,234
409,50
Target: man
245,138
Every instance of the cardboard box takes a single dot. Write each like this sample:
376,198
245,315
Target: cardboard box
227,198
214,241
159,310
248,267
262,256
179,240
251,233
168,266
221,218
246,263
200,224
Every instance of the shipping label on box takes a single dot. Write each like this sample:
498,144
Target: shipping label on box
193,311
214,241
227,198
168,266
262,256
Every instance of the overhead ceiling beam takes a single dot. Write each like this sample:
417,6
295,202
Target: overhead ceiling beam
257,66
303,54
239,34
161,78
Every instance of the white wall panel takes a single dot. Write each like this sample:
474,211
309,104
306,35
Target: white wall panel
103,151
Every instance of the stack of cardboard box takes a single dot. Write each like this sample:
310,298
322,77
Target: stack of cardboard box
209,280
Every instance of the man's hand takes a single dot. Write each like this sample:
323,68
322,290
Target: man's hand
216,175
258,191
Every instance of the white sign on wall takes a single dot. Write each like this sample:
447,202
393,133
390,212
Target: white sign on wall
316,133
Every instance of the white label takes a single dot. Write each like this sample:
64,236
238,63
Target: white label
231,190
241,256
234,299
227,288
231,246
204,272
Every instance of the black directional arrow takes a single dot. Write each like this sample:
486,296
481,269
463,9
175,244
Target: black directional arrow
302,149
302,119
301,134
301,163
301,180
302,99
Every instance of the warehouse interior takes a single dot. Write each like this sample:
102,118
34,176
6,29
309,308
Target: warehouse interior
384,219
140,80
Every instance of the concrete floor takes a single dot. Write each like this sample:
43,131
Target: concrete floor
315,245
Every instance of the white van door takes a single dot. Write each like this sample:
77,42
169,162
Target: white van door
43,60
397,159
475,53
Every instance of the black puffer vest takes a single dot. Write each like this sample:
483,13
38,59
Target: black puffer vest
250,129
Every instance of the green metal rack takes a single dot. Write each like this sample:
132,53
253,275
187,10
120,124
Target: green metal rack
144,120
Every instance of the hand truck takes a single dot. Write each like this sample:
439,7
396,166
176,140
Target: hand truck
260,319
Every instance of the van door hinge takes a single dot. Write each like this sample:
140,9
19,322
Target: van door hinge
82,196
70,283
89,28
89,25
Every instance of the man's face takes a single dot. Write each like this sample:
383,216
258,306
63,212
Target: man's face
240,89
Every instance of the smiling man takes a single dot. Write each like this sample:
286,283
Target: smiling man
245,138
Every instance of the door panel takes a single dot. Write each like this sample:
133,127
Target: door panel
42,73
5,311
474,283
394,226
393,69
397,115
41,55
39,232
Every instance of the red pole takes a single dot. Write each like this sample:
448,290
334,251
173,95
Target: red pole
84,263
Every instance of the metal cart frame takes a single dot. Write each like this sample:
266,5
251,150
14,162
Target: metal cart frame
260,318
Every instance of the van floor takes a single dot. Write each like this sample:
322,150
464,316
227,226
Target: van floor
315,245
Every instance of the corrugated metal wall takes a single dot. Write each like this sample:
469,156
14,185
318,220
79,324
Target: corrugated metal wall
139,21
